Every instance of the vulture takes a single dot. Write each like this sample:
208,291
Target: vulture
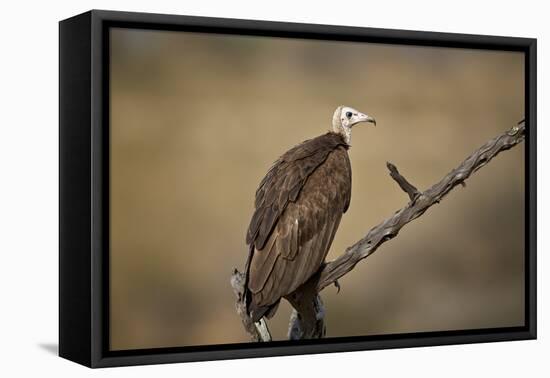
297,210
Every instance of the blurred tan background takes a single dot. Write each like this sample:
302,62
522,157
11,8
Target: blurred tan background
196,121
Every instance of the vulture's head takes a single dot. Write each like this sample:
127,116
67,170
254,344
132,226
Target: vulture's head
345,118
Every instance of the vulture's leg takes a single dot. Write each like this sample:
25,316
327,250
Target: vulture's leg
302,327
308,317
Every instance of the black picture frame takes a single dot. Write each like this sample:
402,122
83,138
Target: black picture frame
84,194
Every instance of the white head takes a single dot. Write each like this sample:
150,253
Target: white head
345,118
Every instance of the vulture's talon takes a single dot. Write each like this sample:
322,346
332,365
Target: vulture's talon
337,285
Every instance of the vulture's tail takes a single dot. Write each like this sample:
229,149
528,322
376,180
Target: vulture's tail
256,312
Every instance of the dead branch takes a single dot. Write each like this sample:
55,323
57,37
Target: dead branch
402,181
258,331
419,203
308,326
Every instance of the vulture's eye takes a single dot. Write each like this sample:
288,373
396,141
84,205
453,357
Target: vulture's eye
348,114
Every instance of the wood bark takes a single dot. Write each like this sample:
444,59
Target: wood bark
307,319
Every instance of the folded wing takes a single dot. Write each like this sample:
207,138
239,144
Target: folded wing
298,207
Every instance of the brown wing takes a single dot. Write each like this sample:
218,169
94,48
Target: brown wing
285,256
284,181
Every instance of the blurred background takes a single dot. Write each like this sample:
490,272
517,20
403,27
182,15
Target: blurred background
196,121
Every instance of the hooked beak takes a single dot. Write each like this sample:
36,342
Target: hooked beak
366,118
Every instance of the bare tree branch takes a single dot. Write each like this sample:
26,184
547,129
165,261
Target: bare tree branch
420,202
258,331
402,181
307,320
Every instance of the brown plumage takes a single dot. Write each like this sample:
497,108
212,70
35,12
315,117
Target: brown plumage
298,207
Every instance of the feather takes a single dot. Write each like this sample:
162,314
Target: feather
299,204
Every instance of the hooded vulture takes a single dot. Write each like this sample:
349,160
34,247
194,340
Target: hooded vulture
298,208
